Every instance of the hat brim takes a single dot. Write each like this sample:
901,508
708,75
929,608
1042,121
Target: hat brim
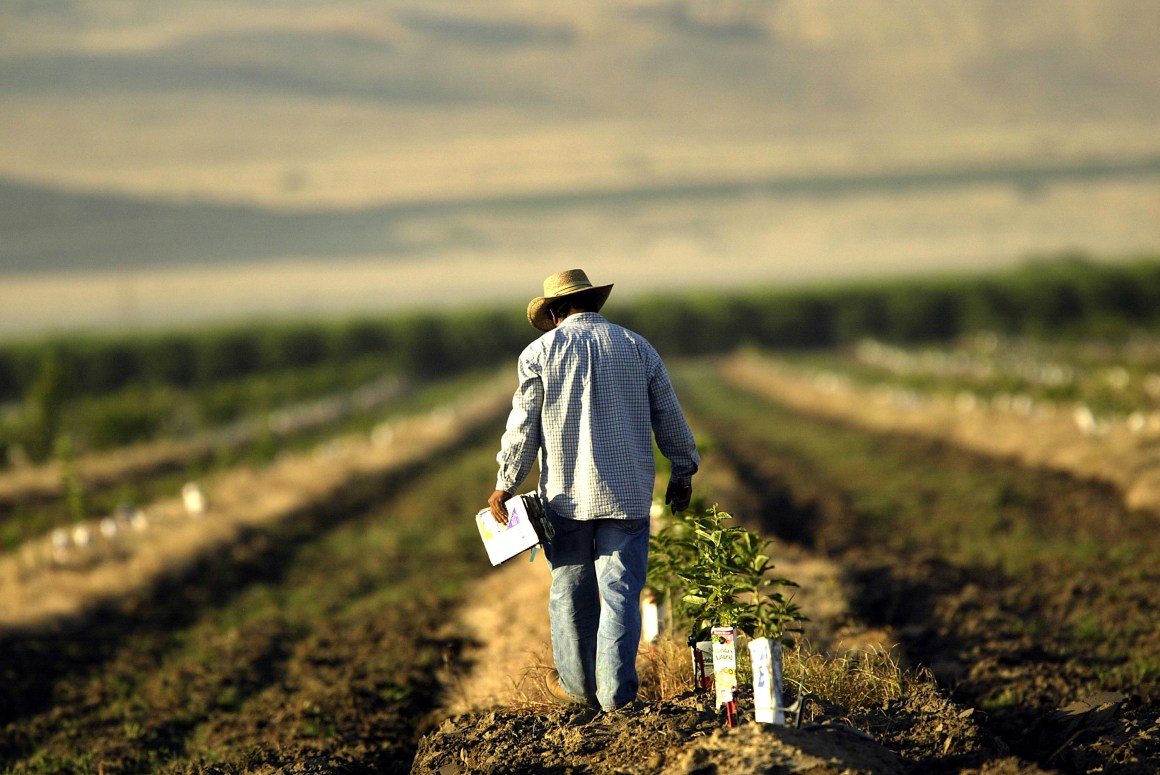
538,307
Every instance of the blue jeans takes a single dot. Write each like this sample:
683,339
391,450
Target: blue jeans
594,643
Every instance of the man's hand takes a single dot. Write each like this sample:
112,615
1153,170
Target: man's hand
498,509
679,493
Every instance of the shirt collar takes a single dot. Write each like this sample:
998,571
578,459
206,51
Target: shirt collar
580,315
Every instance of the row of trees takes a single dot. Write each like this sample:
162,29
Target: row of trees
421,344
1063,296
114,391
1067,297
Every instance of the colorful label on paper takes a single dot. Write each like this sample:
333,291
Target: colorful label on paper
724,663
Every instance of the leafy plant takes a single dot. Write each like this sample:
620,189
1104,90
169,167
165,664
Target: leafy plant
716,574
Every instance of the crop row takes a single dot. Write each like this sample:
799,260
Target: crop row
846,489
313,640
104,393
1099,384
79,488
135,543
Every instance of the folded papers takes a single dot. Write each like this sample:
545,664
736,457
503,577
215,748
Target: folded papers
526,522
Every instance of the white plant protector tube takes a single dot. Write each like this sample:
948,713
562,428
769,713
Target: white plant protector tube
649,617
767,682
193,498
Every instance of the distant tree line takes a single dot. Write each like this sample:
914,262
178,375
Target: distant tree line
121,389
1069,296
1059,297
425,345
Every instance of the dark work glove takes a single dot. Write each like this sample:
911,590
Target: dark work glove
679,493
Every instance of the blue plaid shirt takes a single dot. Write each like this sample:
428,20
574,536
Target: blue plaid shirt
591,396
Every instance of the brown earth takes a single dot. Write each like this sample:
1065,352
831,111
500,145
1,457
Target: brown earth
1016,687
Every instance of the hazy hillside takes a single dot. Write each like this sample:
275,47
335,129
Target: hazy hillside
794,63
139,134
350,101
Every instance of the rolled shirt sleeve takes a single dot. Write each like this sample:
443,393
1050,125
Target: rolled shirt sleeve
521,439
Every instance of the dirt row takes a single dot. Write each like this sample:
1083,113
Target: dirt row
1049,438
1017,686
309,643
102,471
339,696
163,683
998,645
1014,648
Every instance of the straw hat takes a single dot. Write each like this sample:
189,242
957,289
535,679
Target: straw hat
559,285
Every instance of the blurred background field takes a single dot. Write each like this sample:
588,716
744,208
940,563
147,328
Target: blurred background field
178,164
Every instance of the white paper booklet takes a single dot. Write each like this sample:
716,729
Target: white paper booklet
506,541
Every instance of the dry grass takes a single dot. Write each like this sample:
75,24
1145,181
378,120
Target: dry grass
856,680
530,688
666,670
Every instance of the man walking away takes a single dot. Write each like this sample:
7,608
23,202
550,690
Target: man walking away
591,397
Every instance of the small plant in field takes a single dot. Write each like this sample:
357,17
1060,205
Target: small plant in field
716,574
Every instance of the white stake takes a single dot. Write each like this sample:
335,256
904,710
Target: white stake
767,684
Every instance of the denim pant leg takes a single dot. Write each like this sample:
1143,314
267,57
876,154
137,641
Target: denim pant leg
574,606
621,565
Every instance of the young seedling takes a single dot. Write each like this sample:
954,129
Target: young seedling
717,577
715,574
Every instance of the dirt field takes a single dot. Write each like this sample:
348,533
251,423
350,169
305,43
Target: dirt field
319,642
171,164
1026,674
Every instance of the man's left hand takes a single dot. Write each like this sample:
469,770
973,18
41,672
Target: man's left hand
498,509
678,494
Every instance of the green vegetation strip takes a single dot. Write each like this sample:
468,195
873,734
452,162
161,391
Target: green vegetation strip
990,515
141,375
312,643
93,486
